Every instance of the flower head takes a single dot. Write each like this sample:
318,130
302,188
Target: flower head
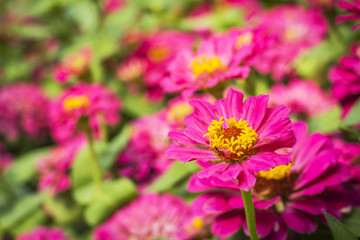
43,233
289,196
73,65
236,138
148,217
20,114
215,60
94,102
54,167
302,97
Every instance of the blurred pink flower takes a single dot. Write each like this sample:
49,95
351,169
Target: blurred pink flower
296,30
54,167
43,233
144,158
73,65
291,196
216,60
111,6
23,111
354,8
303,97
5,159
148,217
236,139
91,101
345,77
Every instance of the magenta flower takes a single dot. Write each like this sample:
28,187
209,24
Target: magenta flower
54,167
291,196
345,77
43,233
235,139
216,60
295,30
91,101
20,114
73,65
148,217
144,158
111,6
354,9
303,97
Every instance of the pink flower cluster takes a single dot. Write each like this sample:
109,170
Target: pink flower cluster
20,112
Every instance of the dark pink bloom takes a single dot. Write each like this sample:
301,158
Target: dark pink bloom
215,60
154,53
354,9
236,139
111,6
292,196
144,158
54,167
73,65
345,77
93,101
43,233
295,30
148,217
20,111
303,97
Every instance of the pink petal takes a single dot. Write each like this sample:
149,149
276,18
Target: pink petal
298,221
310,205
254,110
264,223
180,137
186,154
228,223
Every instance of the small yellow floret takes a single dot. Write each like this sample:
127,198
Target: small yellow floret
201,64
244,40
198,223
178,112
75,102
158,54
238,138
276,173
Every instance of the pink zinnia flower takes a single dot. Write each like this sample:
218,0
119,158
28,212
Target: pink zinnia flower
353,8
43,233
291,196
111,6
236,139
303,97
345,77
54,167
148,217
296,30
144,158
94,102
20,114
73,65
216,60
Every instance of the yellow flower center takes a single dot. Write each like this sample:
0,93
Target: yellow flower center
178,112
198,223
277,173
201,64
238,139
158,54
244,40
75,102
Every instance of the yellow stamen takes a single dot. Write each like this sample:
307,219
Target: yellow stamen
238,139
75,102
158,54
276,173
198,223
244,40
178,112
201,64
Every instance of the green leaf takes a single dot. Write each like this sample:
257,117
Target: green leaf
37,218
339,230
327,122
175,174
138,105
116,194
21,211
108,155
353,117
61,209
85,14
352,222
24,168
31,31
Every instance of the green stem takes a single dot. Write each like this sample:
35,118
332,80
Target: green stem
250,214
94,162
